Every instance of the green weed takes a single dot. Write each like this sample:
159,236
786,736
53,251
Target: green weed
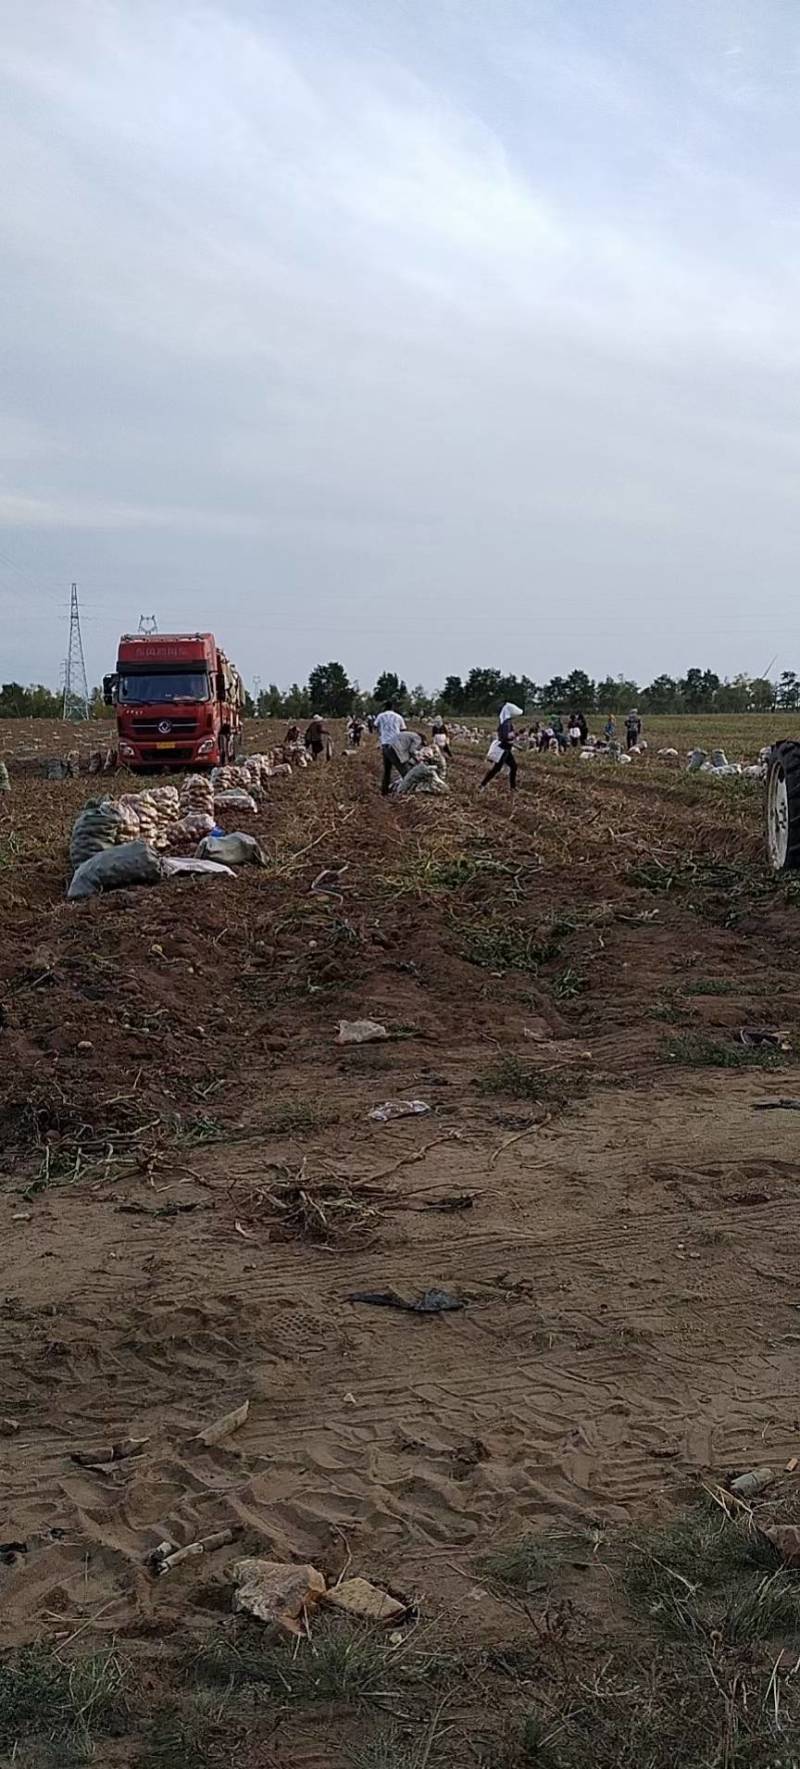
704,1572
695,1050
640,1713
520,1080
670,1010
338,1665
41,1695
197,1129
288,1117
531,1562
502,946
187,1736
10,851
569,983
761,1609
443,874
394,1749
714,986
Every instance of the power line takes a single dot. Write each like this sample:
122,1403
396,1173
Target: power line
76,690
148,623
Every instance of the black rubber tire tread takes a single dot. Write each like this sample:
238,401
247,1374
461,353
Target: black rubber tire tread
787,755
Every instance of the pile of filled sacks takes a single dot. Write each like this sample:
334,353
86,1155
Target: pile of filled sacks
195,816
164,818
233,774
148,816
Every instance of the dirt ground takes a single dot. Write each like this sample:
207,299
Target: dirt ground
193,1190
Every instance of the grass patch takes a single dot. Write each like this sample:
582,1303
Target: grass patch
517,1079
569,983
190,1735
705,1573
640,1713
289,1116
443,874
531,1562
718,890
762,1609
504,946
64,1703
669,1008
10,851
695,1050
714,986
196,1129
339,1665
395,1749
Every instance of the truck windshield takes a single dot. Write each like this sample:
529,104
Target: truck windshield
152,690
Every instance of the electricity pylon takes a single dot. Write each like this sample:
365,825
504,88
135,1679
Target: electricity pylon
76,690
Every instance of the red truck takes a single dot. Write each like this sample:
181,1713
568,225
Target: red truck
178,701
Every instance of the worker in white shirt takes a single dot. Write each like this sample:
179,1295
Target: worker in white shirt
388,725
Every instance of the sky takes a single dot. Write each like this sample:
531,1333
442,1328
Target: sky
417,334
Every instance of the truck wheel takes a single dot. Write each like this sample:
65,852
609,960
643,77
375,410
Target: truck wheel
783,807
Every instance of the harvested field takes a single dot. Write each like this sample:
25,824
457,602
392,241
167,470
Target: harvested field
193,1191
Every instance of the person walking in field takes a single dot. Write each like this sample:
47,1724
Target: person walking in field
501,749
315,736
388,725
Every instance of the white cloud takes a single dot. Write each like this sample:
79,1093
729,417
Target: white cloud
400,312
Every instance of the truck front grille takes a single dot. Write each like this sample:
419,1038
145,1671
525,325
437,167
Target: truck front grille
149,728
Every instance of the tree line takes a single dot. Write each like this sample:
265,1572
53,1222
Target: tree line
37,702
482,692
330,691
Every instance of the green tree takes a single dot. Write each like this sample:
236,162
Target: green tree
698,689
762,695
733,697
615,694
35,702
516,689
580,691
420,702
483,691
788,695
271,702
662,696
390,687
97,705
556,693
452,695
330,690
296,703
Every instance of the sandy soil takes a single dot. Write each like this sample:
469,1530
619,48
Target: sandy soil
617,1214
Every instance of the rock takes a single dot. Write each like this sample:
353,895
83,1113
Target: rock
276,1591
358,1597
786,1538
360,1031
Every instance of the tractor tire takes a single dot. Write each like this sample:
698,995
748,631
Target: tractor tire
783,807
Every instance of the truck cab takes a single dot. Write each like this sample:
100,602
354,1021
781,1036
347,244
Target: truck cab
178,702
